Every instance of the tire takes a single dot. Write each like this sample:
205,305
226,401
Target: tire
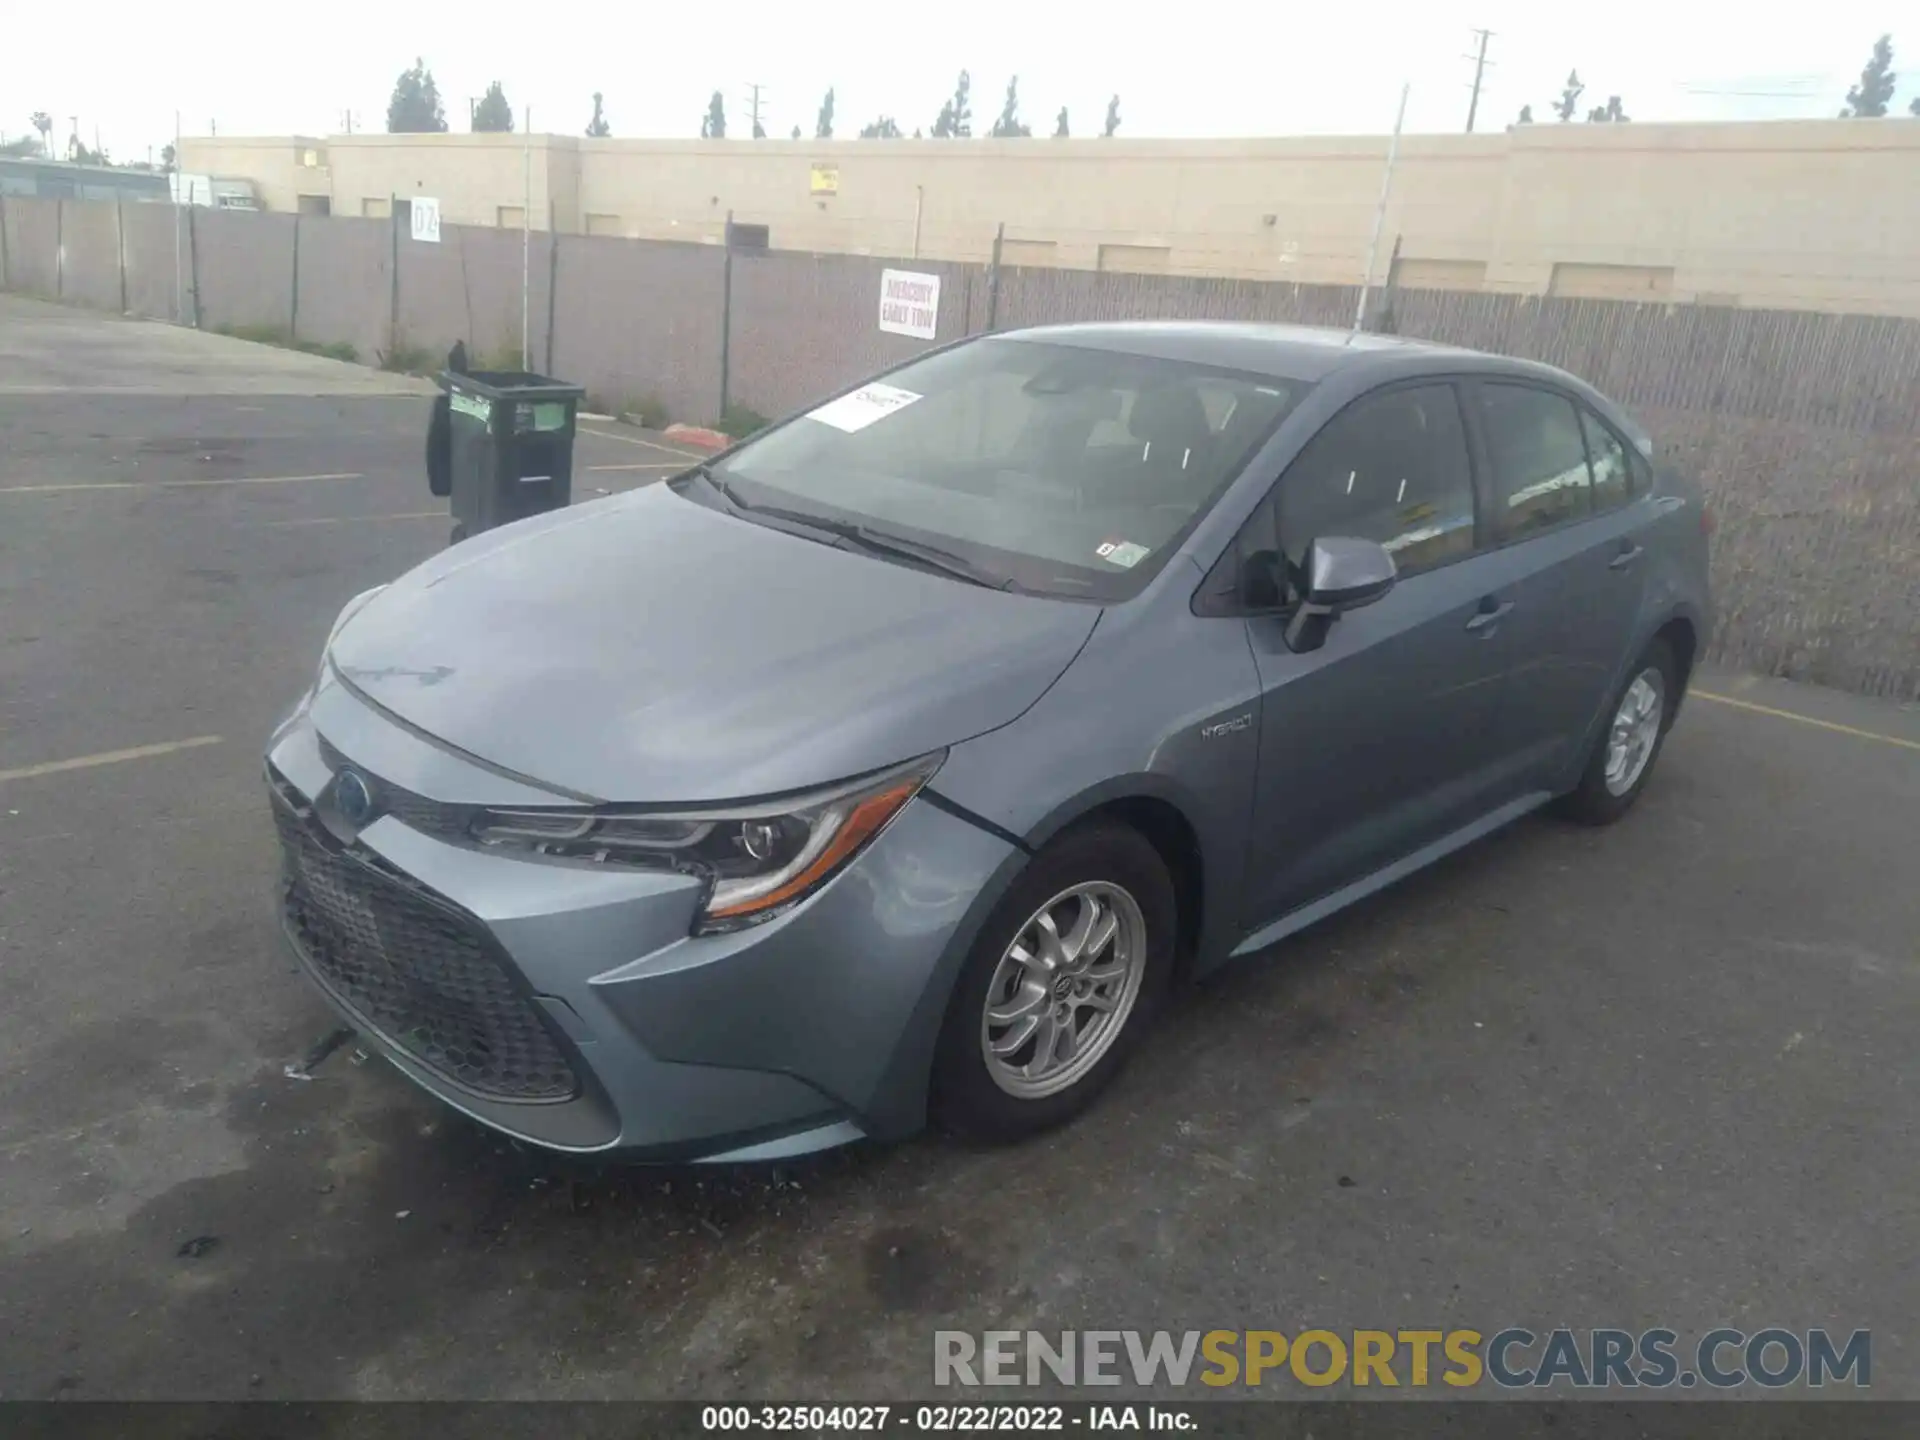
1103,866
1597,799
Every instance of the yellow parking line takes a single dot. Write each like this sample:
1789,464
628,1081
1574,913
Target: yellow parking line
1833,725
108,757
174,484
645,465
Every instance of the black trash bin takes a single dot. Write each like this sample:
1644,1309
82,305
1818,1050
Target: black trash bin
511,446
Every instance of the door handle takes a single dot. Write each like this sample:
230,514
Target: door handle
1629,552
1487,619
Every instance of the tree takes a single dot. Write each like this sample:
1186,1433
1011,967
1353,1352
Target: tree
20,149
1008,126
823,126
1868,99
415,108
1113,118
714,126
493,115
1526,115
168,159
79,154
796,132
1609,112
43,122
881,129
1913,106
1060,124
1569,97
598,127
955,121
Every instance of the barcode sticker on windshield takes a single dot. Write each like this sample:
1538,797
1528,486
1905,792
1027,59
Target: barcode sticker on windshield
864,406
1123,553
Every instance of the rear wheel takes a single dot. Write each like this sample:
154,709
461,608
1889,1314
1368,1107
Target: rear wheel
1629,743
1062,982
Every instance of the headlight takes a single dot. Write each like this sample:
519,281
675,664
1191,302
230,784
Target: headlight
760,860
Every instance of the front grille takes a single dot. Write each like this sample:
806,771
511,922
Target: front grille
417,812
416,971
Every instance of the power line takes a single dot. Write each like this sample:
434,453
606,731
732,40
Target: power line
753,110
1479,71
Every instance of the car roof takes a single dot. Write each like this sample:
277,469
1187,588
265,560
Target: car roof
1285,352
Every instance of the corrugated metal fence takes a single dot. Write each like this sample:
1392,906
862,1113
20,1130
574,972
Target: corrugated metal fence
1804,428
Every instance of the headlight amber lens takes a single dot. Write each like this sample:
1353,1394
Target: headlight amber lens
760,860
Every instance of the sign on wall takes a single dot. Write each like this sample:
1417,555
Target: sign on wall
426,219
823,180
909,303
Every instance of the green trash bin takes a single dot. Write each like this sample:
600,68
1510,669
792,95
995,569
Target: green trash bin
511,446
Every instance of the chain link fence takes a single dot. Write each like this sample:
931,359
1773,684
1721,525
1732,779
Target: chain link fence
1803,428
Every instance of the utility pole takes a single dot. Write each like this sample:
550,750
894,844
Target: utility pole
526,231
753,111
1380,212
1479,70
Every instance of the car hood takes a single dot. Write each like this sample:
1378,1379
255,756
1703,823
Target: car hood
645,648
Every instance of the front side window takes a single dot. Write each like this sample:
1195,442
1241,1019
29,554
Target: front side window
1059,469
1539,458
1391,467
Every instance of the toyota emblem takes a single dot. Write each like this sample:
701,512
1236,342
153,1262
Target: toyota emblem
353,797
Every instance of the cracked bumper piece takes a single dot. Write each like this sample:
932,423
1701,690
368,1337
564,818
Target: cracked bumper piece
569,1005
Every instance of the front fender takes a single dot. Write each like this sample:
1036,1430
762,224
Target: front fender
1167,712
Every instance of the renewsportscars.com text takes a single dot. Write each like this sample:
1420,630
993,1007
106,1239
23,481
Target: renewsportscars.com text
1512,1358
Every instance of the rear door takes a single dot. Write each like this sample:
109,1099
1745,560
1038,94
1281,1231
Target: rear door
1382,740
1566,515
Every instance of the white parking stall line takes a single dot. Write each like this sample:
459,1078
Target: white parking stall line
108,757
174,484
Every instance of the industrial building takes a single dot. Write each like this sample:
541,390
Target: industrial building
1820,215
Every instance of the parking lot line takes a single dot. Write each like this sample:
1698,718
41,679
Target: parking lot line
1833,725
643,465
108,757
636,440
175,484
353,519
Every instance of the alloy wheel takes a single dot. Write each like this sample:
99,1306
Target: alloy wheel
1063,989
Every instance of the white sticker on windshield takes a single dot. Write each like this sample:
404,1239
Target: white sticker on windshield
1123,553
864,406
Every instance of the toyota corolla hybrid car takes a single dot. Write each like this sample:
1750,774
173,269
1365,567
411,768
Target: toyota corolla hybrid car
897,760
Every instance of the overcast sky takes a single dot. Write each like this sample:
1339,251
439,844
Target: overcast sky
1180,70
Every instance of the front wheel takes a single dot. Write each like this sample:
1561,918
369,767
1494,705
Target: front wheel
1062,982
1629,743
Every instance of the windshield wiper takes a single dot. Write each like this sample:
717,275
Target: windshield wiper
860,536
721,487
883,542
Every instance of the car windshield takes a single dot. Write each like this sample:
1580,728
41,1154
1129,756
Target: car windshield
1043,467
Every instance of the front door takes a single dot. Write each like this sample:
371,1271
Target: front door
1384,739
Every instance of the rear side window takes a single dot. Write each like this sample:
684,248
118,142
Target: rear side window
1539,458
1613,475
1391,467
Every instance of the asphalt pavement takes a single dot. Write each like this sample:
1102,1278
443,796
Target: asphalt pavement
1659,1074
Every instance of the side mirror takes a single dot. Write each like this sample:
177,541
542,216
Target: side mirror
1342,574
